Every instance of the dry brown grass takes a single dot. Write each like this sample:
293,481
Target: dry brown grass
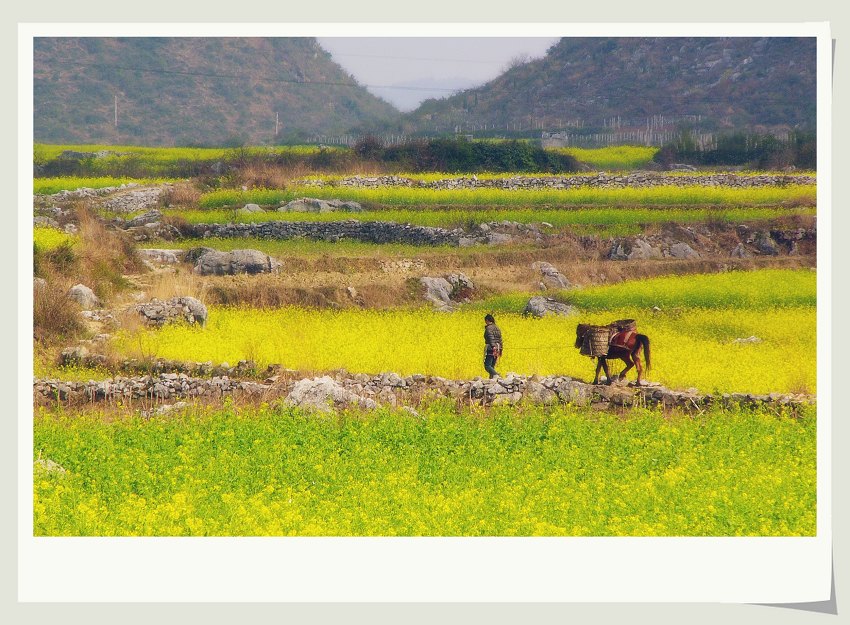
105,256
182,282
56,317
182,195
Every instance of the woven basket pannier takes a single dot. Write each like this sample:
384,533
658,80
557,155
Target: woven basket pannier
625,324
596,341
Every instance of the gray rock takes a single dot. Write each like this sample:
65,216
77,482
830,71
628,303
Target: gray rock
215,263
765,244
633,249
45,222
538,393
165,257
552,278
70,229
315,205
193,254
539,306
642,250
185,308
84,296
38,284
150,217
497,238
251,208
438,292
739,251
128,201
461,285
683,250
323,394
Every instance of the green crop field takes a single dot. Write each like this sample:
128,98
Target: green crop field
519,472
613,157
468,216
669,196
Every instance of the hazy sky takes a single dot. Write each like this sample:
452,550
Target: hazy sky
407,70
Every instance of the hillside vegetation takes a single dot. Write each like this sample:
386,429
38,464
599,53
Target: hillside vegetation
193,91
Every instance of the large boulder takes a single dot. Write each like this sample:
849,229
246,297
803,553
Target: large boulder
765,244
184,308
150,217
215,263
633,249
314,205
250,208
540,306
84,296
324,394
683,250
438,292
444,293
552,278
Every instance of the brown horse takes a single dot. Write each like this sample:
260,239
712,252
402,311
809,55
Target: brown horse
623,345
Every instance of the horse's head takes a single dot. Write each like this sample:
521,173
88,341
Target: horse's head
581,331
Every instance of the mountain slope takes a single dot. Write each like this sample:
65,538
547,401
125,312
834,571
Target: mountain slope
589,82
193,91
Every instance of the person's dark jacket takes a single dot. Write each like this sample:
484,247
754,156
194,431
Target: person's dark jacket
492,337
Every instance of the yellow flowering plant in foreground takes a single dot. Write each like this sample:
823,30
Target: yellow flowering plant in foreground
512,472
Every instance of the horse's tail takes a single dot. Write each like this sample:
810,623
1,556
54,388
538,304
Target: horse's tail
643,340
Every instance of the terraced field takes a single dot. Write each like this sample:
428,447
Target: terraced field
720,276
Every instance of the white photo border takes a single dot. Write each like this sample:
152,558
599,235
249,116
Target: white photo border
737,570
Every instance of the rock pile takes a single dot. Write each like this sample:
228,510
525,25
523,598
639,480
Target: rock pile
186,309
124,201
552,278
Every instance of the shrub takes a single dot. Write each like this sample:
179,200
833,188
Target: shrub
55,316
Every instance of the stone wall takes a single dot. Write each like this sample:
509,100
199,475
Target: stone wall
366,231
391,389
601,180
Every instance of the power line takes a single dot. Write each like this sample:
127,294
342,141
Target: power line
243,77
416,58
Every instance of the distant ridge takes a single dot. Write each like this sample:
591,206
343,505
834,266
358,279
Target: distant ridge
193,91
723,83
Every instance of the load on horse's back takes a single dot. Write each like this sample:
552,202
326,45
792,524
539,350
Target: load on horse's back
619,339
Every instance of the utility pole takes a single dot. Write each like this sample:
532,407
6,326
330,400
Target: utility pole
116,111
276,123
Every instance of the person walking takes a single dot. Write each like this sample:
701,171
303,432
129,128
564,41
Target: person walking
492,345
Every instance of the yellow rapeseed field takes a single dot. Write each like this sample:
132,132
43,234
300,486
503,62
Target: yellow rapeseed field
690,348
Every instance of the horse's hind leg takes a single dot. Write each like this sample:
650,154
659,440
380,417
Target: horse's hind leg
629,365
639,368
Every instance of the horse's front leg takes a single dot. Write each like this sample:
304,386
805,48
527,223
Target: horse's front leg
601,363
607,371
